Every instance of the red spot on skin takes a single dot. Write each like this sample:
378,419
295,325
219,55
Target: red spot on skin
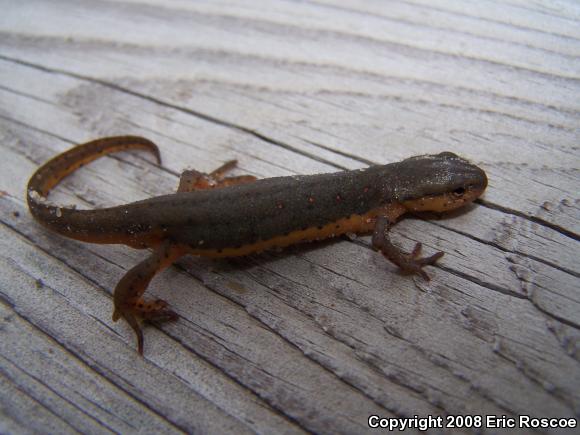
280,205
311,200
338,198
366,189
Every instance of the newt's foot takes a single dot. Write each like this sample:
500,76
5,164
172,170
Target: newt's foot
192,180
408,263
141,310
155,310
412,264
128,295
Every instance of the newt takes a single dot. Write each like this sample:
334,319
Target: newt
218,216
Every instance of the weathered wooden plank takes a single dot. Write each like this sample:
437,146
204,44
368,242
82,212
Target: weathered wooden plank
512,273
342,270
221,391
367,123
45,291
470,268
65,387
319,337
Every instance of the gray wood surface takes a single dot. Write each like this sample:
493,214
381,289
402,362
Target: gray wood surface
319,337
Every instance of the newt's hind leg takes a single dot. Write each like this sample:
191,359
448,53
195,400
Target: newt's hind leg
408,263
194,180
128,299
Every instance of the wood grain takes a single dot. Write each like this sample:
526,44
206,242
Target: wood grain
319,337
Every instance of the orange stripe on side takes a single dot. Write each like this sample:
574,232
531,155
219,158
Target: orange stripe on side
354,224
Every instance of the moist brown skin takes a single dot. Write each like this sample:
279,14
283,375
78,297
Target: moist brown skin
217,216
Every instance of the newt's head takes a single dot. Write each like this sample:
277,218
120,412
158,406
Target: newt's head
442,182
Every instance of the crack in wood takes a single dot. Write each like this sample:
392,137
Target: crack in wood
192,112
308,355
357,352
535,378
534,219
421,25
38,402
105,374
237,379
511,251
59,395
510,293
85,362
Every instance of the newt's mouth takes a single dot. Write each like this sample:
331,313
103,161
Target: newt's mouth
446,201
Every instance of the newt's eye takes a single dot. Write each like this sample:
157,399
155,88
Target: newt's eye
460,191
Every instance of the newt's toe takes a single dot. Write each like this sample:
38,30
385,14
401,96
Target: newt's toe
133,321
414,265
157,311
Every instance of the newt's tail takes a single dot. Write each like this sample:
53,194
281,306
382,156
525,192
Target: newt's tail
83,225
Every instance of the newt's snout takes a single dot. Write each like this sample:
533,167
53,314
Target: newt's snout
451,182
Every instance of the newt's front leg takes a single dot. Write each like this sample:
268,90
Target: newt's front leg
408,263
128,296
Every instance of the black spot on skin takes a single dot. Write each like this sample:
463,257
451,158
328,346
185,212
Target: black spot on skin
320,227
16,214
219,251
337,226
